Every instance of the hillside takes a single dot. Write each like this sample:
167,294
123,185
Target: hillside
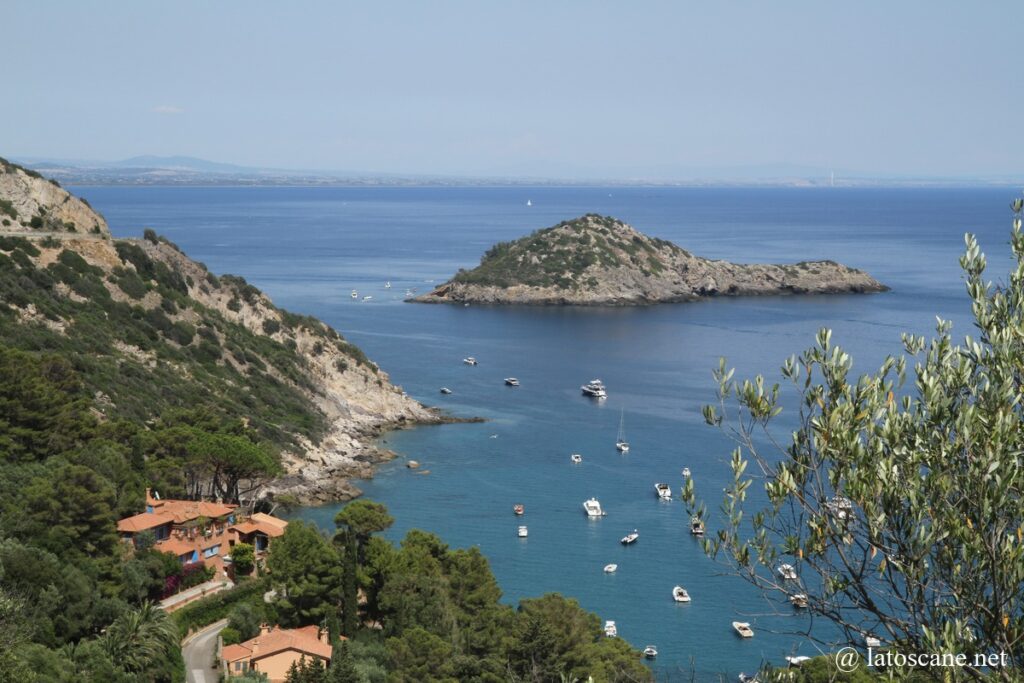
151,332
600,261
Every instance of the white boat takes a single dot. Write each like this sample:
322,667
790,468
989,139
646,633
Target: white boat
797,660
696,526
799,600
650,652
576,458
610,630
620,441
367,297
744,678
387,285
610,568
743,629
511,381
518,509
593,508
787,572
679,594
529,203
445,390
664,491
594,389
686,472
872,642
355,294
630,538
840,506
469,360
523,533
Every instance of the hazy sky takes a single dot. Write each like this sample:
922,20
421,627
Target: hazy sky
518,87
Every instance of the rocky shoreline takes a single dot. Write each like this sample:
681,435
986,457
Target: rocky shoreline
600,261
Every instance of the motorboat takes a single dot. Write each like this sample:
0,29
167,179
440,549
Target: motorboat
576,458
610,630
355,294
469,361
650,652
594,389
387,285
799,600
529,203
518,509
679,594
511,381
743,629
872,642
445,390
696,526
593,508
840,506
620,441
630,538
797,660
664,491
686,472
745,678
523,532
368,297
610,568
787,572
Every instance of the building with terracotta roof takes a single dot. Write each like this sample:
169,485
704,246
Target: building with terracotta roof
274,651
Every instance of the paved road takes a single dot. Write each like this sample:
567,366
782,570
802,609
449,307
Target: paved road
198,650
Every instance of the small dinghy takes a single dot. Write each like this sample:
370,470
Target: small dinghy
787,572
663,491
576,458
610,630
511,382
650,652
744,678
629,539
355,294
696,526
799,600
686,472
523,532
872,642
743,629
679,594
445,390
518,508
610,568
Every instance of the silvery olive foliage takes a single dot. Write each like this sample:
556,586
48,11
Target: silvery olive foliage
897,498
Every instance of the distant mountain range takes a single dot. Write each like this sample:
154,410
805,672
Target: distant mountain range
186,170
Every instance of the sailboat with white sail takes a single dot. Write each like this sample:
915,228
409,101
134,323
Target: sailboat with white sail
620,441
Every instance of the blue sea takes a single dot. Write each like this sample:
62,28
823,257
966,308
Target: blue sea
309,247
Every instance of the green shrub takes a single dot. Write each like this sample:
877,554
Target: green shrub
270,326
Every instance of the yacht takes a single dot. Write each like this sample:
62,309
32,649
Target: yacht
512,381
367,297
576,458
355,294
529,203
620,441
797,660
523,533
679,594
594,389
445,390
686,473
593,508
518,509
610,568
840,506
630,538
872,642
387,285
696,526
745,678
650,652
787,572
469,360
664,491
799,600
610,630
743,629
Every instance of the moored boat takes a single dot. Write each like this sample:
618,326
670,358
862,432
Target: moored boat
355,294
445,390
630,538
664,491
620,441
686,472
511,381
650,652
518,508
799,600
523,532
787,572
576,458
797,660
593,508
610,629
743,629
679,594
594,389
696,526
610,568
469,360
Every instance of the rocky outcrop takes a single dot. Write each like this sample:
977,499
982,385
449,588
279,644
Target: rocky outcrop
600,261
351,398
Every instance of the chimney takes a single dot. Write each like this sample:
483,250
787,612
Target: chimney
264,628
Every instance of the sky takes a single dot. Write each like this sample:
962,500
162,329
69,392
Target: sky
522,88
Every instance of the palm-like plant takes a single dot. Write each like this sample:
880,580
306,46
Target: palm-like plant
138,640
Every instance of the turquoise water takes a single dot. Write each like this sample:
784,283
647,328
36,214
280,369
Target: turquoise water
309,247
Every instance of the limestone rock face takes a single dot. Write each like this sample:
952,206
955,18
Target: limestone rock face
600,261
32,204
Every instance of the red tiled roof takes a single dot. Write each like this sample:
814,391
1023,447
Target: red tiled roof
143,521
176,546
304,640
188,510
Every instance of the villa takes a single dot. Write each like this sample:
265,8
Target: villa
199,531
274,650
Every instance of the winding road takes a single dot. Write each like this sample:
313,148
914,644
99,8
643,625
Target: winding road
198,651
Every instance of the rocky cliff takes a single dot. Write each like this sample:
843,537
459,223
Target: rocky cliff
151,331
600,261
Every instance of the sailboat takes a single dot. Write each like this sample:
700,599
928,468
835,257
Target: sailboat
529,203
620,440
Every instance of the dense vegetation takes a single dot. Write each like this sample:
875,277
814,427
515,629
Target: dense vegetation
562,254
